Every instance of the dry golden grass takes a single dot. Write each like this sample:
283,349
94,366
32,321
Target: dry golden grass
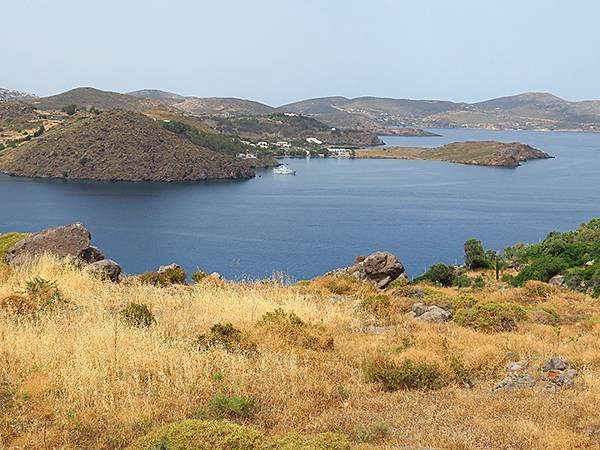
77,376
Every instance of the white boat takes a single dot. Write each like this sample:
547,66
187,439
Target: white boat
283,170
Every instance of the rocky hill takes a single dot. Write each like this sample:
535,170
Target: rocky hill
481,153
88,97
118,146
524,111
12,95
168,98
224,107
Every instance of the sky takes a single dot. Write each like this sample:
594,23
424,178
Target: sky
279,51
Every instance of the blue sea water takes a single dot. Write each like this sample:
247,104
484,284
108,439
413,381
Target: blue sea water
331,211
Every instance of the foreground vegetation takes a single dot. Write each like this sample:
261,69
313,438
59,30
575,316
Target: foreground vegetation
329,363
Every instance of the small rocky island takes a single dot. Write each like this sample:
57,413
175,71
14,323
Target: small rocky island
480,153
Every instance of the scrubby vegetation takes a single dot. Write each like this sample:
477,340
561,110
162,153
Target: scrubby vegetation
574,254
331,363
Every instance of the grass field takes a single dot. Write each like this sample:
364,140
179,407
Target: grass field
306,359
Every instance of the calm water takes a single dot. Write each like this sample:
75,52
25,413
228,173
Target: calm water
330,212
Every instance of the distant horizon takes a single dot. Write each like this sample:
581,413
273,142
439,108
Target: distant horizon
301,99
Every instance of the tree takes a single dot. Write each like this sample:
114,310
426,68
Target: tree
475,257
70,109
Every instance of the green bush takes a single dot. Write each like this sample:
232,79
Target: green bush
408,375
69,109
479,282
165,278
439,273
137,315
373,433
202,435
490,316
225,406
541,270
462,281
226,337
198,276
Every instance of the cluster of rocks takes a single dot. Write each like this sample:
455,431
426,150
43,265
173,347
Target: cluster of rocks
555,372
381,268
73,241
432,313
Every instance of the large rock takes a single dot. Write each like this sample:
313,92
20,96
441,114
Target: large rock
69,240
106,269
435,314
380,267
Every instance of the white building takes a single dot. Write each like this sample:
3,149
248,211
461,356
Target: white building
312,140
263,144
283,144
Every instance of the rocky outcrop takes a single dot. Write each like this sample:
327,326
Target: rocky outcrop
433,313
106,269
70,240
556,372
380,268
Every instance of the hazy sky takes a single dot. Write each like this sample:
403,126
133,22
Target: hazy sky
277,51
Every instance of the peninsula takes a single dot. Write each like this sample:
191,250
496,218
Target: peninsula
479,153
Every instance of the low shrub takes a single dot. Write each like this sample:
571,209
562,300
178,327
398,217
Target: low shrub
225,336
39,295
373,433
322,441
341,285
165,278
479,282
202,435
462,281
198,276
440,274
225,406
490,316
295,331
379,306
408,375
137,315
534,288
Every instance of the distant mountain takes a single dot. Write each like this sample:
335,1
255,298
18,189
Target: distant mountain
88,97
12,95
168,98
224,107
529,110
118,146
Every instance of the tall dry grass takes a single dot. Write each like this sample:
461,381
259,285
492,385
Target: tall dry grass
79,377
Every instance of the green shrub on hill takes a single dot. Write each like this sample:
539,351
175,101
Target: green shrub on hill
439,273
220,143
575,254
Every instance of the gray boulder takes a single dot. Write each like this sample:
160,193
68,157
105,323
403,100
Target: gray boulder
106,269
380,268
516,381
69,240
557,280
435,314
419,308
555,364
91,254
